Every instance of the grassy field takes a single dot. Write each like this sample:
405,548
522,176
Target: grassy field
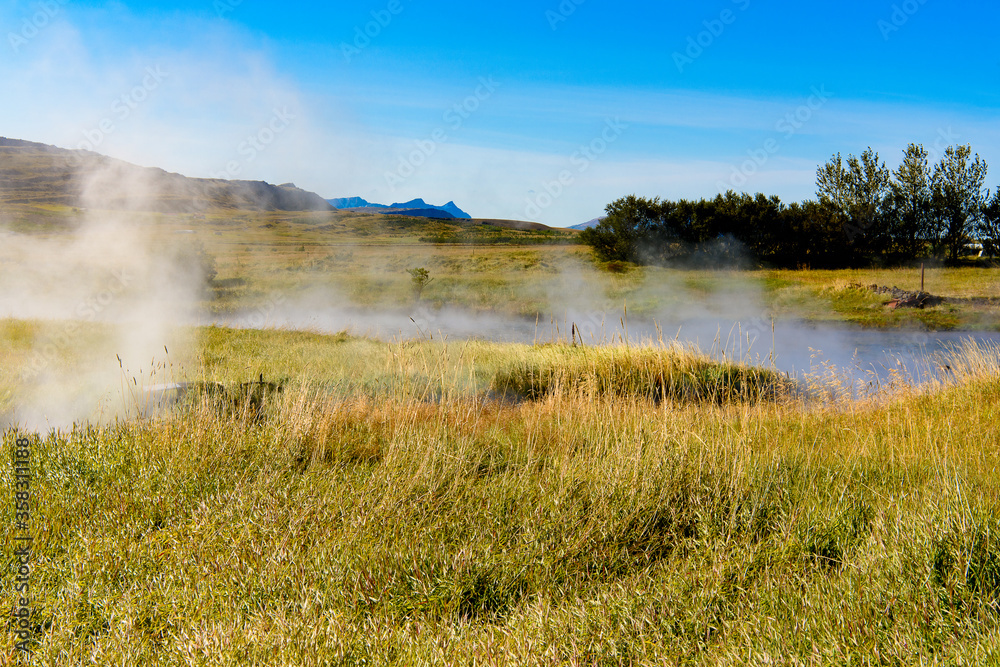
471,502
363,260
531,274
478,503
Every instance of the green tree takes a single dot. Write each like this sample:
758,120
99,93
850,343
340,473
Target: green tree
857,192
958,197
868,188
989,225
626,227
832,185
910,203
419,278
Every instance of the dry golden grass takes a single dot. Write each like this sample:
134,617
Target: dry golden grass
384,524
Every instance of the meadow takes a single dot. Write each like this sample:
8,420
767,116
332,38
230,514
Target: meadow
472,502
394,506
491,266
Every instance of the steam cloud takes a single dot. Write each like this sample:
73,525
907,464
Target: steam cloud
109,271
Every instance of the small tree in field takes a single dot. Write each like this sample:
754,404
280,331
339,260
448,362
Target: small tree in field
420,277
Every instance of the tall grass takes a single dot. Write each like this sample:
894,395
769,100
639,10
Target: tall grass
646,371
581,527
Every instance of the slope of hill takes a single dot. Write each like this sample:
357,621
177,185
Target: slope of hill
38,175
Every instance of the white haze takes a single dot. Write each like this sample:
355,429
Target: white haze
220,84
110,272
730,320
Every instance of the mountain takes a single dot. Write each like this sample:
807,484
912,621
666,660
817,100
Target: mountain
353,202
422,213
420,203
404,208
34,174
588,224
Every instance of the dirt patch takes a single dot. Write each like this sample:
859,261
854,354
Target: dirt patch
903,299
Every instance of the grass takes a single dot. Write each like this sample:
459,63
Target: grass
648,372
387,511
469,502
364,259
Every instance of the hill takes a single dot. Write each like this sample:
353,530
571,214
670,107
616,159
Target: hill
38,175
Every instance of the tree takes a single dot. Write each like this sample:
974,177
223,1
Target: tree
989,225
628,223
857,193
868,187
957,195
832,187
419,278
910,203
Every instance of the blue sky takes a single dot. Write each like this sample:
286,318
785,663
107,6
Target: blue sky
538,110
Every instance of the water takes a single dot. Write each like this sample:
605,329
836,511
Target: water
859,357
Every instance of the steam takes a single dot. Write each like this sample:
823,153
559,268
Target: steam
109,297
722,313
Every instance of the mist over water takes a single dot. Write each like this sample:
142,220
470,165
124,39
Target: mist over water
136,294
857,356
138,324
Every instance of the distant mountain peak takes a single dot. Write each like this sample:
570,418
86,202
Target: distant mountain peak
588,224
413,203
417,204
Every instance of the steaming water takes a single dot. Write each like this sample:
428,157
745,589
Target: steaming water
860,358
844,359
